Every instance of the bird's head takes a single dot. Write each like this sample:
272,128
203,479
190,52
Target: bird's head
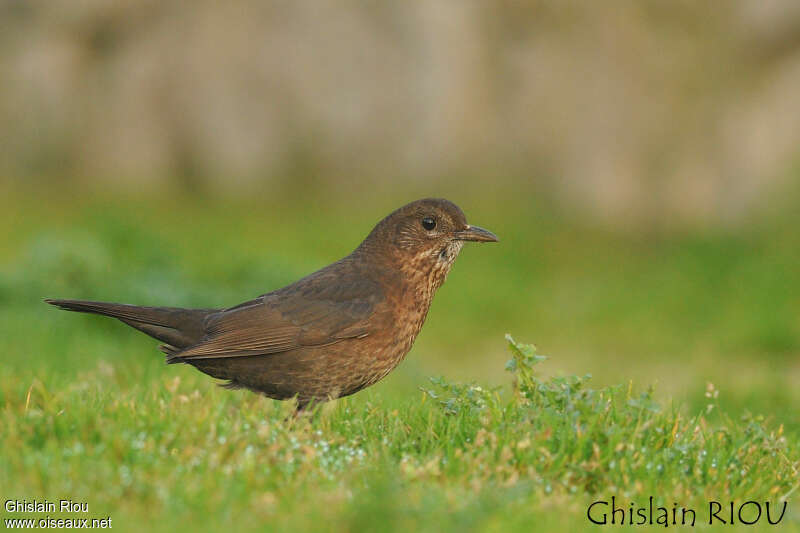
424,237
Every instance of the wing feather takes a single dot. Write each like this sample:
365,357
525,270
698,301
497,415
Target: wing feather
315,311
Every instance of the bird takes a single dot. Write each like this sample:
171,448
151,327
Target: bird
329,334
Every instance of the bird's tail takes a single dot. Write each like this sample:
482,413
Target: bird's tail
177,327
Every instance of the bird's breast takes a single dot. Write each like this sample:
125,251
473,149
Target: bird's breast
409,306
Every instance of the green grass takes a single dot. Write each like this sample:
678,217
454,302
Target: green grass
179,452
91,413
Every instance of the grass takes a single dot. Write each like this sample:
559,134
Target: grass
90,412
185,453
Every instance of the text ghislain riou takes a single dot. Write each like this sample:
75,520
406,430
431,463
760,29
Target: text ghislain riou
45,506
604,512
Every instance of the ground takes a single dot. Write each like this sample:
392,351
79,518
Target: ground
709,319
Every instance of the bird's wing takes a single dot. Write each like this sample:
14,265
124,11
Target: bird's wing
308,313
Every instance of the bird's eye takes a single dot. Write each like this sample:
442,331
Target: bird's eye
428,223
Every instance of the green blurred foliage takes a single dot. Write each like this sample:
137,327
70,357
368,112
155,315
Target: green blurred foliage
680,308
90,409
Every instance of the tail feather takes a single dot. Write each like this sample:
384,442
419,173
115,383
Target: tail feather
171,351
177,327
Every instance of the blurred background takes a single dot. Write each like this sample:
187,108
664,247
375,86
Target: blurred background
640,163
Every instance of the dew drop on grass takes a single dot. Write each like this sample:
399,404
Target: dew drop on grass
125,475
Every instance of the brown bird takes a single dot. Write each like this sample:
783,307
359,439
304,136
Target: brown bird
329,334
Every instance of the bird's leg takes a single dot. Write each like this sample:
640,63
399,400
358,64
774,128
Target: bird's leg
301,407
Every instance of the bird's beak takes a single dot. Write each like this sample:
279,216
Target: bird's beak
474,233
